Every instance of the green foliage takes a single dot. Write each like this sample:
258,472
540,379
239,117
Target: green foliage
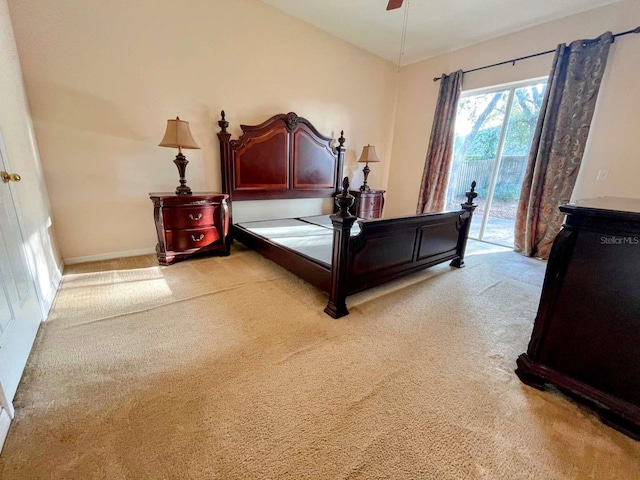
485,144
507,191
482,141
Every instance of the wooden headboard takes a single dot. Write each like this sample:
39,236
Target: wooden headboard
284,157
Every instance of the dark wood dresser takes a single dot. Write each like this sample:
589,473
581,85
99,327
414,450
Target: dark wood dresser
368,203
189,225
586,336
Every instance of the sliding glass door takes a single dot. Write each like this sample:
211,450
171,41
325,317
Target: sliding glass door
494,130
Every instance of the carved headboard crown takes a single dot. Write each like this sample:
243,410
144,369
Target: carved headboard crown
284,157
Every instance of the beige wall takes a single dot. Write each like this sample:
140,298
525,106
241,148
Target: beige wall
614,141
30,194
103,76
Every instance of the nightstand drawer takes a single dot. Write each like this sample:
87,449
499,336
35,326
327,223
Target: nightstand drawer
190,217
193,238
370,202
370,213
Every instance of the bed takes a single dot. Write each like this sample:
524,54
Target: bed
287,158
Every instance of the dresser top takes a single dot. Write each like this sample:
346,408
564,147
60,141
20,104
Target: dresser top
604,206
367,192
193,195
198,198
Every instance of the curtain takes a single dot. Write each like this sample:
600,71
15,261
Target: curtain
433,188
558,142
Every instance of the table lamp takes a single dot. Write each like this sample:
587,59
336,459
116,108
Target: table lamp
368,155
179,136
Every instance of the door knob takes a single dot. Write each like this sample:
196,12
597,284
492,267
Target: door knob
10,177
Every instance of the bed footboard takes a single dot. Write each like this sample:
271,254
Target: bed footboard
388,249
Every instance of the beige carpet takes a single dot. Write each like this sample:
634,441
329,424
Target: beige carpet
226,368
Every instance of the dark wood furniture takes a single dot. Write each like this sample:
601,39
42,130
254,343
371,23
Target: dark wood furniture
286,157
368,204
189,225
586,336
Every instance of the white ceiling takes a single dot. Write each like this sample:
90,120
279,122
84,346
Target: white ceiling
434,26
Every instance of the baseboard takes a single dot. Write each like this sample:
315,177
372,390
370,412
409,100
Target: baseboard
47,303
5,422
108,256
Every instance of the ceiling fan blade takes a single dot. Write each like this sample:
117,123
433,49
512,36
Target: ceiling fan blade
393,4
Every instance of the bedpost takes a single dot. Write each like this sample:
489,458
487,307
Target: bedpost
225,168
340,149
463,232
342,223
225,154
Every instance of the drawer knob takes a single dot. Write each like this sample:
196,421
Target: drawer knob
196,218
193,237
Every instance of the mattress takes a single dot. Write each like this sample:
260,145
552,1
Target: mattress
309,236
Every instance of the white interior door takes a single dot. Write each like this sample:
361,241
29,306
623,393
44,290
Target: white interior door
20,315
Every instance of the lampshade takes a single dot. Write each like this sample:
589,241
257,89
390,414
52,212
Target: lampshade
178,135
369,155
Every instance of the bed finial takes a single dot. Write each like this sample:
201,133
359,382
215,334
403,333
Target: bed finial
344,200
341,140
223,123
471,194
292,121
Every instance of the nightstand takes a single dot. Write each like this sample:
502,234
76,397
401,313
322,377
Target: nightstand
368,203
189,225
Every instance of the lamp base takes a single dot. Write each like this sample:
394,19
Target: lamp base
181,162
364,187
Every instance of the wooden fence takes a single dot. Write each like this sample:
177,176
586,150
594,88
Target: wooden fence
464,172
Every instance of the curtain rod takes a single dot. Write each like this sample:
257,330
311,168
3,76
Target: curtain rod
514,60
